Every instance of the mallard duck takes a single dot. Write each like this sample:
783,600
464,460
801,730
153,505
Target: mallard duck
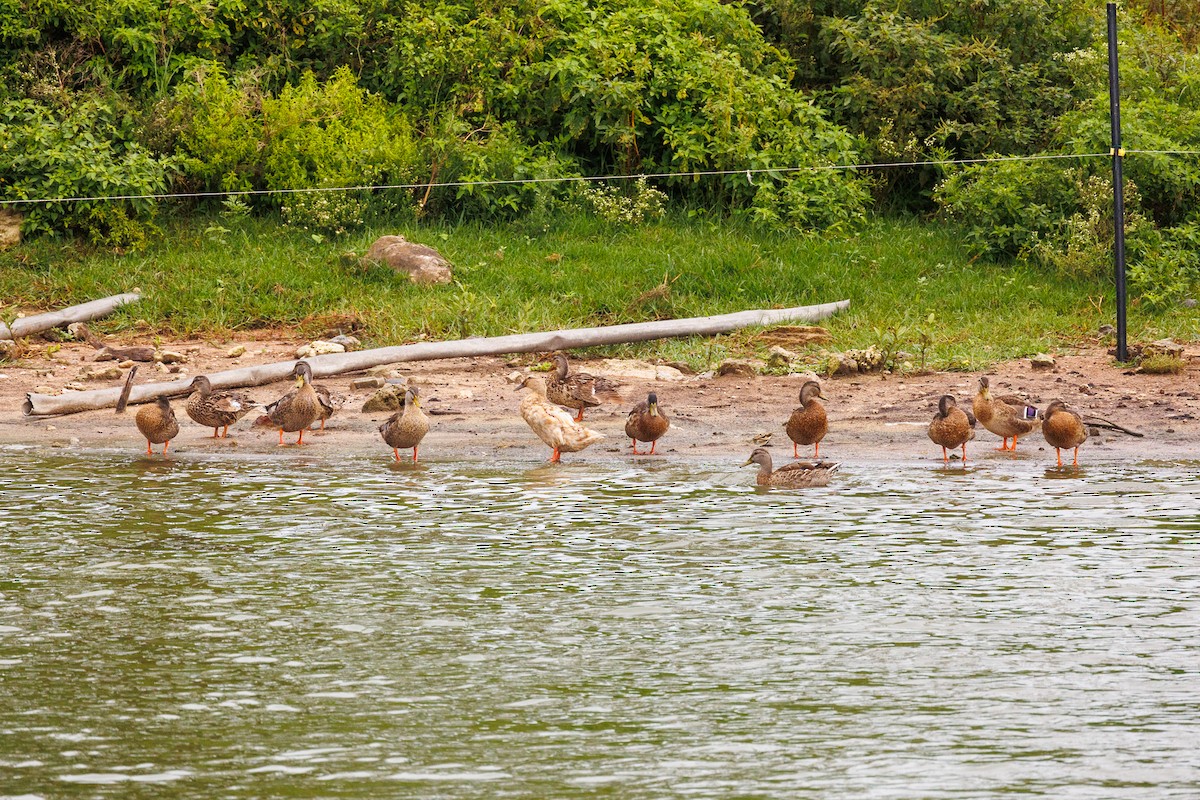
216,410
578,390
157,423
1063,428
1007,416
646,423
329,401
951,427
298,409
799,475
808,423
406,428
553,426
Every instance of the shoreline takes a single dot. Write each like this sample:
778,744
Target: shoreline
474,416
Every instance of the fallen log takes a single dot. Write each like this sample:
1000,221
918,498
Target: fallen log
57,319
337,363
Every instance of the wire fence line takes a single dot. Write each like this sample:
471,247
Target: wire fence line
748,172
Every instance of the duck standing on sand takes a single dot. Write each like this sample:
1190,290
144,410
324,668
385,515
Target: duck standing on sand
329,401
646,423
297,410
951,427
1008,416
553,426
1063,428
578,390
799,475
407,427
808,423
157,423
216,410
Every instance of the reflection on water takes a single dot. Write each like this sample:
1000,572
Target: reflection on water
254,628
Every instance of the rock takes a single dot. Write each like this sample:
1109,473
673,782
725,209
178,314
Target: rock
367,383
46,390
388,398
109,373
8,348
1189,303
319,348
350,343
1042,361
683,367
779,357
126,364
236,351
169,357
1163,347
3,377
464,394
740,367
632,369
75,386
1106,330
10,228
387,371
421,263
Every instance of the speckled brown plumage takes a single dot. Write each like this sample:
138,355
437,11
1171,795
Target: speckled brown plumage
1007,416
297,410
808,424
951,428
215,410
1063,429
577,390
157,423
800,475
646,423
407,427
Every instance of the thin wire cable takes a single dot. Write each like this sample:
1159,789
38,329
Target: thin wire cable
528,181
1164,152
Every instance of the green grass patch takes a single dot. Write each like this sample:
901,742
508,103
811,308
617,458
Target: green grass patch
906,280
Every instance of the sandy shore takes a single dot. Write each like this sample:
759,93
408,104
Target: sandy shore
474,409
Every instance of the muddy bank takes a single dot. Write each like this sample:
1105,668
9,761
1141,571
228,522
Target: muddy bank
474,409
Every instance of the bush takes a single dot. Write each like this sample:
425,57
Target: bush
84,149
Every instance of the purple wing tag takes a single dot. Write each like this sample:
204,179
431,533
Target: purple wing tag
1030,412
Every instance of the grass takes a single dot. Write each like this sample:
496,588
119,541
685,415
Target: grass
214,277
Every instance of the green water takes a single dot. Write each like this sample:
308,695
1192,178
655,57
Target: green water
308,628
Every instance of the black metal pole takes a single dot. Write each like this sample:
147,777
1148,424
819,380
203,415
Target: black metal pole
1114,104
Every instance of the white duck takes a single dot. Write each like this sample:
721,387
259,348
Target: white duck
555,427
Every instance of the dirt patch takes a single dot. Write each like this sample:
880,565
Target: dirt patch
474,407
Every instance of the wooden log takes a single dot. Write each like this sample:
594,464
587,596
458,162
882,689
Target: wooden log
56,319
337,363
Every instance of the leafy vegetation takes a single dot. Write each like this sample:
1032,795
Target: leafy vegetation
475,112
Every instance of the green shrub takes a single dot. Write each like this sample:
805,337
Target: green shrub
629,205
84,149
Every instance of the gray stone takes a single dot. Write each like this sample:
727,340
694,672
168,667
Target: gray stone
388,398
1189,302
420,262
350,343
367,383
169,357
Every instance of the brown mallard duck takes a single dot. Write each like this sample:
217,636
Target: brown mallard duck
216,410
553,426
951,427
157,423
1008,416
800,475
808,423
646,423
1063,428
578,390
297,410
329,401
407,427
